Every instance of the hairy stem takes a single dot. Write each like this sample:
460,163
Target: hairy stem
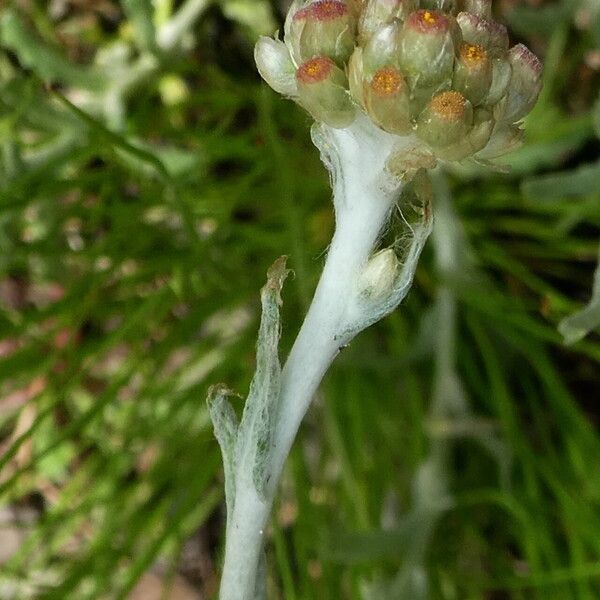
324,330
362,209
364,195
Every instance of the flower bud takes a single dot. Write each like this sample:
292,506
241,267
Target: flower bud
525,84
427,48
275,65
382,12
473,73
322,91
379,275
446,120
323,28
483,32
386,98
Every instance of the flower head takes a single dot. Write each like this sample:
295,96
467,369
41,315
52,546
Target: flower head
418,68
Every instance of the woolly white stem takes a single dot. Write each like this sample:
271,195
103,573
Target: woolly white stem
324,330
243,546
363,196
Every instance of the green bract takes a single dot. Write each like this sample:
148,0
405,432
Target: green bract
401,62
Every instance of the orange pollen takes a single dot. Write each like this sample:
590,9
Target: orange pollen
386,82
315,70
473,54
428,21
449,106
428,17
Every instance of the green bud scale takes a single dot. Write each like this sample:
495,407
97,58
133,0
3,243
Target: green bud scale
423,69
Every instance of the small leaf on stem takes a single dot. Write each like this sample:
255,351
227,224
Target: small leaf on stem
255,441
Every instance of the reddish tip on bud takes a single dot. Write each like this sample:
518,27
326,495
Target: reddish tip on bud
491,35
322,28
525,84
524,55
322,10
315,70
427,48
387,82
428,21
449,106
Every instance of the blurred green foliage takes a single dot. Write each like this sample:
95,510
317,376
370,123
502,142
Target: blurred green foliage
147,181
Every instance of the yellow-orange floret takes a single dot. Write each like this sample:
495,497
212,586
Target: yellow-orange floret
315,70
449,106
473,54
387,82
428,21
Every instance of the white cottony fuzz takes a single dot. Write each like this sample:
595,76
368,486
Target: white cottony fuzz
275,66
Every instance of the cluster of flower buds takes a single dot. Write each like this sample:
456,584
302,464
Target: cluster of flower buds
415,67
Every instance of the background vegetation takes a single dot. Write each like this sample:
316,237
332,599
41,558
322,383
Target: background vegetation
147,181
